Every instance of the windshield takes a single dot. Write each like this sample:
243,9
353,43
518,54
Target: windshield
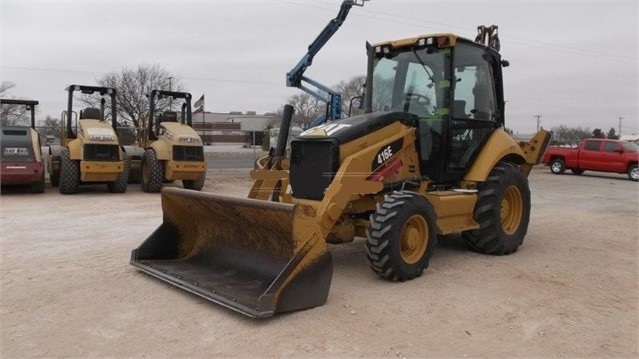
630,146
409,81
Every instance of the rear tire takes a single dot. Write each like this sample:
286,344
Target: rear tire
152,172
577,171
196,184
557,166
38,187
121,182
502,211
633,173
69,173
401,236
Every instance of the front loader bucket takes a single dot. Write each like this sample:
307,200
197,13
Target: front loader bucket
255,257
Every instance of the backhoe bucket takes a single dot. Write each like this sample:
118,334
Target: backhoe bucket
255,257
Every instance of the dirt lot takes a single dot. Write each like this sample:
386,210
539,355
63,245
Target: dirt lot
67,289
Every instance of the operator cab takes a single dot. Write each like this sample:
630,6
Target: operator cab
452,85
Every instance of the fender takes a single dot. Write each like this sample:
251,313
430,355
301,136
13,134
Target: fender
76,152
499,146
163,150
35,142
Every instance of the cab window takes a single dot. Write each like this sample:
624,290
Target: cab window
611,146
591,146
474,92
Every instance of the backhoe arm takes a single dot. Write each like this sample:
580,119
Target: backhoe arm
296,78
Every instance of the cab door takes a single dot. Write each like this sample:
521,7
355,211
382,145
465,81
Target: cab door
590,156
474,114
613,159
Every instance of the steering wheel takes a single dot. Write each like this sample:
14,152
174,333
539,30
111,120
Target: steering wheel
422,102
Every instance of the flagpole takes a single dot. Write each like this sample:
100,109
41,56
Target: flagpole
203,118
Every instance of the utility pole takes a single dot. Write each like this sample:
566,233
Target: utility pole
619,134
170,89
538,117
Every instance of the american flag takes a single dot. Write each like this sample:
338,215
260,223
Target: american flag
199,103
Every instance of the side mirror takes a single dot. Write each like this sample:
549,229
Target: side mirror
359,105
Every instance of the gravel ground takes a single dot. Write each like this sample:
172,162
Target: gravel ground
67,289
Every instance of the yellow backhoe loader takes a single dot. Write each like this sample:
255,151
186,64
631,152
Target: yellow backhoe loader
170,149
429,157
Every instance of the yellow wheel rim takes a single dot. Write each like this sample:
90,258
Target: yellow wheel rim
414,239
512,208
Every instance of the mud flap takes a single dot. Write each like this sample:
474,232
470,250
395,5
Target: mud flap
255,257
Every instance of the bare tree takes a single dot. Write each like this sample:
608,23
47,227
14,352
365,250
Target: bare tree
349,89
564,135
51,127
12,115
612,134
598,133
133,86
5,86
307,108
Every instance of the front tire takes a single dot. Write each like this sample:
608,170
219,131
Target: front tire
557,166
69,173
196,184
633,173
502,211
401,236
121,182
152,172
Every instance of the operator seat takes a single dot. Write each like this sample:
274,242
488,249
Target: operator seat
91,113
169,116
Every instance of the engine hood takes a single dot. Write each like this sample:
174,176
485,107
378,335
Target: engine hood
351,128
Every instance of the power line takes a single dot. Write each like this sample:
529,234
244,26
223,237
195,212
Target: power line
50,69
20,68
421,24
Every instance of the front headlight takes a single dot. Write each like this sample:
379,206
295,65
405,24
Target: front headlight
168,134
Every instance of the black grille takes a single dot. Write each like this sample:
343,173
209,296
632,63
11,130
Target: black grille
313,166
188,153
14,132
96,152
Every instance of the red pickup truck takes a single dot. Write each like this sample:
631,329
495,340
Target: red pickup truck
595,154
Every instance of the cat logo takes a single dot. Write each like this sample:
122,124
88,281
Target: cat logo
325,129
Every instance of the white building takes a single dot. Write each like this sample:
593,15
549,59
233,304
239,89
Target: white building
232,127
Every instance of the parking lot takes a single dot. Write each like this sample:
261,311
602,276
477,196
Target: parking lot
67,289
